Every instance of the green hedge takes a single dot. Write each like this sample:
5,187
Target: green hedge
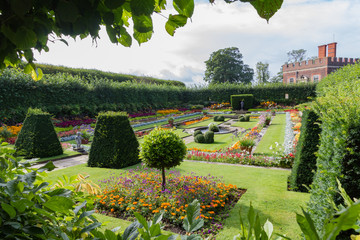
37,137
114,144
236,101
304,167
339,110
63,94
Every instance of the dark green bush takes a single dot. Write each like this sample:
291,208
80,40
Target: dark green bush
213,127
114,144
37,137
247,118
219,118
200,138
304,167
209,136
196,132
236,100
216,118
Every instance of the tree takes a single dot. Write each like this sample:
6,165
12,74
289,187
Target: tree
262,72
278,77
226,65
296,55
161,149
29,25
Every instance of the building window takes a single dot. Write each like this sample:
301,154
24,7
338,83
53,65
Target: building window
316,78
291,80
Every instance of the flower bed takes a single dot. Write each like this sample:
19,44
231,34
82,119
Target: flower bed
139,190
76,122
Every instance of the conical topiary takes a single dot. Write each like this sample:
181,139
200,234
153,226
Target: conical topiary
37,137
115,144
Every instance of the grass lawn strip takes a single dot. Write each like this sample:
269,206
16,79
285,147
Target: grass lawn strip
220,141
266,189
274,133
252,123
66,154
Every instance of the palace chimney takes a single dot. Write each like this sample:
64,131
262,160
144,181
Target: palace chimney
322,51
332,50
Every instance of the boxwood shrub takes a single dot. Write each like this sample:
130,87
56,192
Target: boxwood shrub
209,136
236,100
37,137
304,167
115,144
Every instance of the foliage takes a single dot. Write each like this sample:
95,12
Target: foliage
200,138
196,132
209,136
37,137
278,78
262,72
140,191
244,118
213,127
162,149
304,167
296,55
339,110
237,99
219,118
226,65
114,144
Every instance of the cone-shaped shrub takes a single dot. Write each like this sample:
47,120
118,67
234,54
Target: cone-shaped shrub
37,137
304,168
114,144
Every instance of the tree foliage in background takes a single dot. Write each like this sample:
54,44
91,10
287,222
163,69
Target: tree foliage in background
26,26
296,55
226,65
278,78
262,72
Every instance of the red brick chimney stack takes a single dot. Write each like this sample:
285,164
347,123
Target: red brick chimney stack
332,50
322,51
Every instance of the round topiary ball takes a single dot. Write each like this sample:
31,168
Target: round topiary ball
162,149
216,118
200,138
213,127
247,118
209,137
221,118
197,132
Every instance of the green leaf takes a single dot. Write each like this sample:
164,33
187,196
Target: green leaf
77,208
141,7
142,37
41,186
113,4
59,204
111,32
142,221
268,228
20,7
49,166
9,209
267,8
125,38
11,186
131,232
67,11
91,227
25,38
22,204
142,23
174,22
184,7
157,218
60,192
307,226
191,223
155,230
29,56
29,68
110,235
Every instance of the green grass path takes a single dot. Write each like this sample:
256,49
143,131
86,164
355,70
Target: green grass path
275,133
266,189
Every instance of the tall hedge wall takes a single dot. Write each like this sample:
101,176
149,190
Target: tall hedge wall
237,99
62,94
339,108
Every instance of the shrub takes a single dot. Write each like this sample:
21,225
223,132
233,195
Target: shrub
37,137
200,138
219,118
247,118
209,136
114,144
304,166
242,118
213,127
236,100
216,118
196,132
162,149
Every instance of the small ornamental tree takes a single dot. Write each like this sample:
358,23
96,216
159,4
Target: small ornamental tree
162,149
37,137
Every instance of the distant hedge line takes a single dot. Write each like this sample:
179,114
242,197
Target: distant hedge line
90,74
63,94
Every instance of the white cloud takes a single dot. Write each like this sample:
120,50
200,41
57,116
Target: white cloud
298,24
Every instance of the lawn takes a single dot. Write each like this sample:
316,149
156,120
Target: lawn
220,141
266,189
179,132
246,125
275,133
66,154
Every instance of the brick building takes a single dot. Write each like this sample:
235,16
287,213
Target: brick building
317,69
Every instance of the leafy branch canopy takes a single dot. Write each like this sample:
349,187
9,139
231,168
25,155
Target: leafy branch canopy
28,25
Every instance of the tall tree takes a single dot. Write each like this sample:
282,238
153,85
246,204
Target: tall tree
27,25
296,55
226,65
262,72
278,78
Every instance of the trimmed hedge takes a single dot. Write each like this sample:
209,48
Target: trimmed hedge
339,108
209,136
200,138
115,144
236,101
219,118
37,137
304,167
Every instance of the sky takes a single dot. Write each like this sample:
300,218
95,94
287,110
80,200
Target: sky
299,24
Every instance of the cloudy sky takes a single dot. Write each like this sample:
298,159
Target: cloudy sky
298,24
